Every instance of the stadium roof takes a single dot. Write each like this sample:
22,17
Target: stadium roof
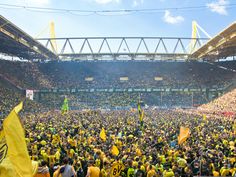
221,46
15,42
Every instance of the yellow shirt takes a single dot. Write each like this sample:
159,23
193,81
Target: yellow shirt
51,159
168,173
104,173
94,171
224,171
71,153
182,163
216,173
151,173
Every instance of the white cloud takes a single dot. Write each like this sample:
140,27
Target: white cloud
137,3
34,2
38,2
168,18
218,7
106,1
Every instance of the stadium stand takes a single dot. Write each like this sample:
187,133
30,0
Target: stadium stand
10,96
225,103
107,74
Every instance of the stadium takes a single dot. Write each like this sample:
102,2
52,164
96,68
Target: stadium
117,106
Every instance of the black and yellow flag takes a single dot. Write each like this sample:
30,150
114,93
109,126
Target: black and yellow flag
116,169
14,157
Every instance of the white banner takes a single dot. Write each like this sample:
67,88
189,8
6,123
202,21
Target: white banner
30,94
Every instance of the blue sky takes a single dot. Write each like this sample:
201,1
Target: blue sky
213,18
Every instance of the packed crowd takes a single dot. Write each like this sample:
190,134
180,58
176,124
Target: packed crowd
7,100
10,96
140,74
24,74
225,103
104,74
73,141
70,144
229,64
122,100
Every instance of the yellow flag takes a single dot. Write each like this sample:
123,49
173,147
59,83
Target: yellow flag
141,112
15,160
18,108
234,127
114,150
103,134
183,135
141,116
204,117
